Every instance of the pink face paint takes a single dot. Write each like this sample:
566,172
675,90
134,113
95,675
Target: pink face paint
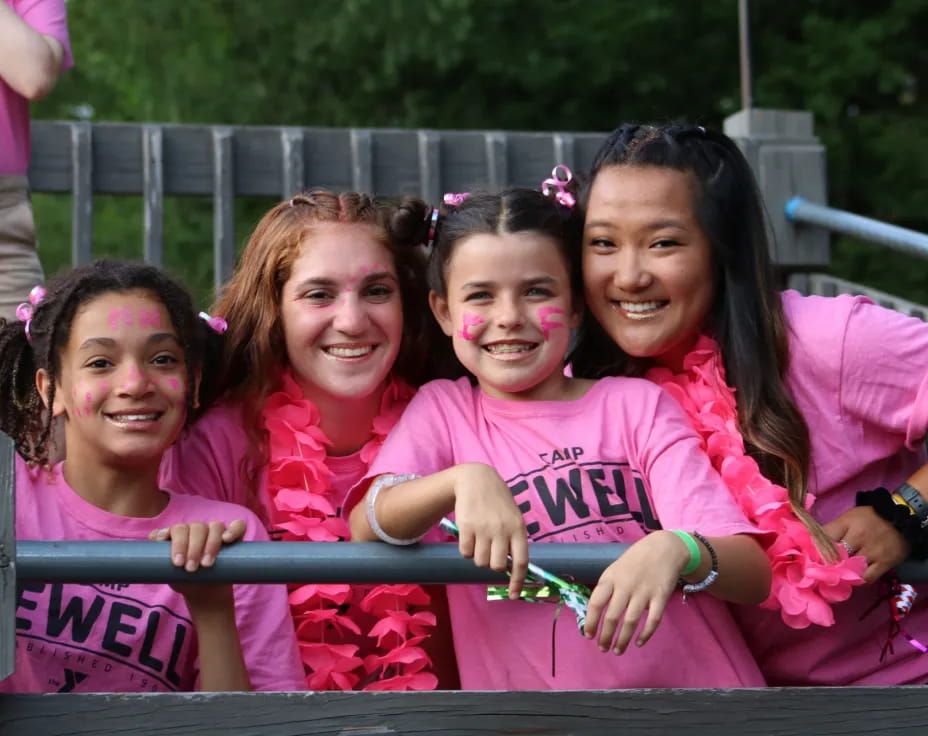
548,324
470,320
149,318
173,383
121,315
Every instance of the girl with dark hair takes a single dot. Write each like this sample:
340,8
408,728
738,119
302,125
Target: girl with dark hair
327,326
530,453
801,401
117,351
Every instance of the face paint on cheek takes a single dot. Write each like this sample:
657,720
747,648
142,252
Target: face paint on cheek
545,315
179,390
470,320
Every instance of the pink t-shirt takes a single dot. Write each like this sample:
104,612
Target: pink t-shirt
208,461
48,18
131,637
609,467
213,459
859,375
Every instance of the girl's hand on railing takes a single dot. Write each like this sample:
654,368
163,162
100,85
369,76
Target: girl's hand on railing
643,578
490,525
198,543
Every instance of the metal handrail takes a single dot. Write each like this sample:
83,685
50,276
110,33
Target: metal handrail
804,212
320,562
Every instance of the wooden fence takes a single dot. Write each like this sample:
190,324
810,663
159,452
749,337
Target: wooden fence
224,162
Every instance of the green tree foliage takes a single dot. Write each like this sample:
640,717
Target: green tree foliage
504,64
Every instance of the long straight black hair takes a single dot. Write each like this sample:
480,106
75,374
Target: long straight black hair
746,318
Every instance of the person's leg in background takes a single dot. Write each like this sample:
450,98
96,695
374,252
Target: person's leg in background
20,268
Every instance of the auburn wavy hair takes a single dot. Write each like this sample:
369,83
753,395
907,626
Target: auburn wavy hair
255,355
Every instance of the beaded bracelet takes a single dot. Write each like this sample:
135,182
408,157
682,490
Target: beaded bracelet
381,482
710,578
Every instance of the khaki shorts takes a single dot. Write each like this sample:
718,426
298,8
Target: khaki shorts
20,268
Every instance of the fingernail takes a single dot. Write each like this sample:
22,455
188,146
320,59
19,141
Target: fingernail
178,559
617,650
639,643
603,649
207,560
191,565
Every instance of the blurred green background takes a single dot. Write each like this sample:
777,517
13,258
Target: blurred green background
581,65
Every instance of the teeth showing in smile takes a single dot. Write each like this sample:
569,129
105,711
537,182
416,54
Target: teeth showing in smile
355,352
509,347
642,310
133,417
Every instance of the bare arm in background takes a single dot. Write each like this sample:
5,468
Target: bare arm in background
30,62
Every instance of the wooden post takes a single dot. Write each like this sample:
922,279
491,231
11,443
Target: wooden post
7,556
788,161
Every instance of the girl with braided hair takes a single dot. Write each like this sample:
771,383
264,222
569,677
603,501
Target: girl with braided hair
117,352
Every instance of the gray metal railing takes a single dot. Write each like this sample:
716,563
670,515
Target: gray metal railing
293,562
824,284
804,212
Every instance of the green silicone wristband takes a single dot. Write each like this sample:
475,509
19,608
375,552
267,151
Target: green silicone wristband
695,552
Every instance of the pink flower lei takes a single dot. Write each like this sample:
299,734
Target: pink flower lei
302,504
804,585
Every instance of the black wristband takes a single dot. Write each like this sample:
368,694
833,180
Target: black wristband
906,523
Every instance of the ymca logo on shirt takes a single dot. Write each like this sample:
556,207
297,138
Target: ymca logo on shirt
568,499
98,637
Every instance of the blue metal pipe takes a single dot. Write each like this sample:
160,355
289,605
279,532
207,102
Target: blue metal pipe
802,211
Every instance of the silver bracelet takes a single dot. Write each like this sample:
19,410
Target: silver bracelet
381,482
710,578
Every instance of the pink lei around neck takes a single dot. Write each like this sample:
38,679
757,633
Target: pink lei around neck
804,585
304,504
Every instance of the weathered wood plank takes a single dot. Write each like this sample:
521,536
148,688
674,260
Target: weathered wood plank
808,711
81,193
788,161
291,151
153,194
223,206
430,166
328,154
496,147
362,160
565,150
7,556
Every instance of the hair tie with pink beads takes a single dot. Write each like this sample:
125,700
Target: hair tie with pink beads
25,310
561,196
455,199
216,324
